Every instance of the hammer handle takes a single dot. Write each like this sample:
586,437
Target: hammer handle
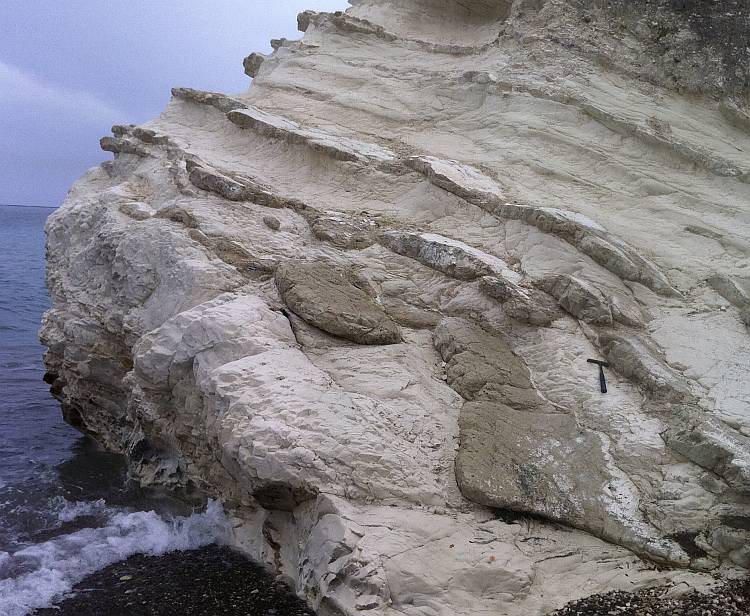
602,380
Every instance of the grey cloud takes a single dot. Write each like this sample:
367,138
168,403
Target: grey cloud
69,70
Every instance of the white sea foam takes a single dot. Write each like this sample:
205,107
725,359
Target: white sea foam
68,511
52,568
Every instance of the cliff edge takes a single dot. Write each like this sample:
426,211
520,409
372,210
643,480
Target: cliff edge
356,302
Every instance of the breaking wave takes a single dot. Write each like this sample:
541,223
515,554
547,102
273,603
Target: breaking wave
34,576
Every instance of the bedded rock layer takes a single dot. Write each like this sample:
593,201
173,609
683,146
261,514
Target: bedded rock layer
355,303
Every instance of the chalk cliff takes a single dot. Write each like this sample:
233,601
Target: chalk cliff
356,302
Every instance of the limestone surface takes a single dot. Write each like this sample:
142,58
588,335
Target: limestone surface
355,303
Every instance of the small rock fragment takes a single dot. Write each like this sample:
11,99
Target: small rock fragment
272,222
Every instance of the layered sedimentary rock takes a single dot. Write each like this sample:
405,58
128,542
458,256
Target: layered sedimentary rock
355,303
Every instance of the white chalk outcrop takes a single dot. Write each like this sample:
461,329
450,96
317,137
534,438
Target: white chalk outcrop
355,303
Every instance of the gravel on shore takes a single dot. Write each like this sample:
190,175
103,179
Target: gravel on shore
212,581
730,599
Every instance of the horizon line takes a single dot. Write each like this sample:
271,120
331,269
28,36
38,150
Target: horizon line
39,207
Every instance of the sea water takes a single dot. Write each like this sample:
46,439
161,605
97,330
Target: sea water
66,508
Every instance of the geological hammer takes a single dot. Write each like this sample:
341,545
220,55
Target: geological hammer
602,365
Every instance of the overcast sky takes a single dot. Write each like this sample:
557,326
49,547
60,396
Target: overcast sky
69,69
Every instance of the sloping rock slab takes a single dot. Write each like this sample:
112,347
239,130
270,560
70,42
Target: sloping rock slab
453,258
709,443
323,297
730,289
521,453
635,358
588,302
344,232
521,303
339,148
463,181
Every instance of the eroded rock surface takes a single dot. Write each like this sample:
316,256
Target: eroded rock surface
355,303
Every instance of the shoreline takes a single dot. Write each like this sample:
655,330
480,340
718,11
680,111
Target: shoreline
211,580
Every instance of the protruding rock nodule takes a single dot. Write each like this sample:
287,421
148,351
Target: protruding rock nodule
343,231
303,20
253,63
272,222
323,296
521,302
446,255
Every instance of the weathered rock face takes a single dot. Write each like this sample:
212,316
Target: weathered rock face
356,304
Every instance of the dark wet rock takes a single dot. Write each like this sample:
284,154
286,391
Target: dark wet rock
700,46
279,496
